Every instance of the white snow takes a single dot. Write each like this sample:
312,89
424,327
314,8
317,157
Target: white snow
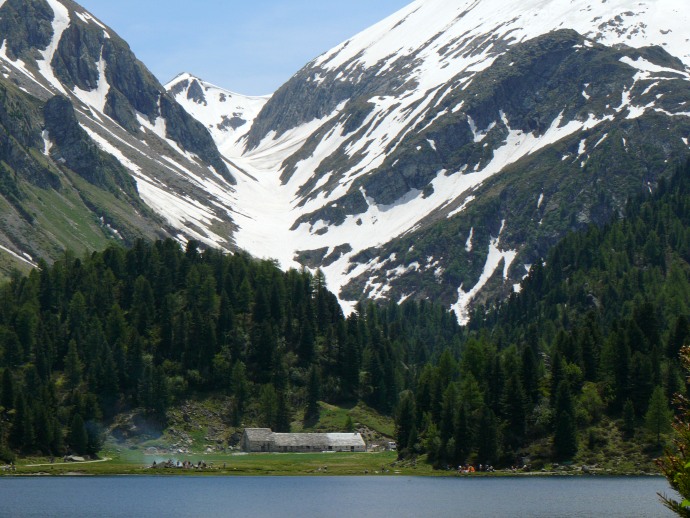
96,98
24,257
270,207
180,211
220,105
47,143
60,23
89,18
479,136
493,261
468,244
541,200
22,68
636,24
585,94
643,65
601,140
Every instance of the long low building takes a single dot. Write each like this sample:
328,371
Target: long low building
255,440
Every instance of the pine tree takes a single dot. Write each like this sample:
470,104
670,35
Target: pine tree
78,438
628,419
268,404
679,337
22,430
674,464
7,391
283,413
240,390
529,375
565,433
405,422
513,404
658,417
487,439
313,395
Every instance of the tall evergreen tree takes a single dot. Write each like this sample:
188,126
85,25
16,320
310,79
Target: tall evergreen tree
7,394
658,417
313,394
405,423
565,433
78,438
488,440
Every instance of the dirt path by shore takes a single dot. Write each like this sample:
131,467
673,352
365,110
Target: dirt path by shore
106,459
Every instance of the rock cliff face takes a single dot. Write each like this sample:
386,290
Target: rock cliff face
73,148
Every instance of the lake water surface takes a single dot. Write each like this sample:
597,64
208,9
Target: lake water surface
312,497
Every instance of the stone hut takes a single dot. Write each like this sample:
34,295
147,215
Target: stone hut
265,440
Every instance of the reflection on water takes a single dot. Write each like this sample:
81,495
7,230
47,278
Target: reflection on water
308,497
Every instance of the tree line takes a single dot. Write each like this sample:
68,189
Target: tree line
89,337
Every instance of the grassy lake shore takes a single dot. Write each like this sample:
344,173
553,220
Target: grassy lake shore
279,464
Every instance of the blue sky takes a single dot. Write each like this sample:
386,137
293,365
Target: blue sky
248,46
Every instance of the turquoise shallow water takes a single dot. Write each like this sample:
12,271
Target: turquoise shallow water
316,497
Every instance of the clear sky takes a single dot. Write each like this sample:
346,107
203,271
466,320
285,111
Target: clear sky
247,46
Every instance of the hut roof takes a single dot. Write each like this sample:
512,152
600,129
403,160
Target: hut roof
345,439
301,440
259,434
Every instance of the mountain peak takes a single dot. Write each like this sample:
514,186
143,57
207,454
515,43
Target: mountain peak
227,115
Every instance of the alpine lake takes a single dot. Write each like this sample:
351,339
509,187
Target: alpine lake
315,485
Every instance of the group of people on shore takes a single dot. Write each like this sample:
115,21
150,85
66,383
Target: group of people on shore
468,469
172,464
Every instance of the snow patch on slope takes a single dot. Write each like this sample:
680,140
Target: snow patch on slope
96,98
61,21
182,212
27,260
494,258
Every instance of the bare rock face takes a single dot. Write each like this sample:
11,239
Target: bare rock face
26,27
76,150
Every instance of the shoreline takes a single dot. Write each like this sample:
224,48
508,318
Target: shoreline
130,462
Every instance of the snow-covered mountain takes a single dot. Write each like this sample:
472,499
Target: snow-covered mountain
437,154
440,152
227,115
117,129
